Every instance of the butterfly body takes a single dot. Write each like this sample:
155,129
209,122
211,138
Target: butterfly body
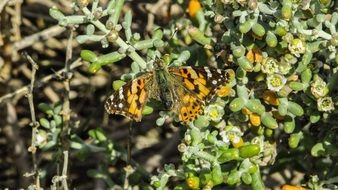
184,90
165,87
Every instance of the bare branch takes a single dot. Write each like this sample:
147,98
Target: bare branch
25,89
34,123
43,35
3,4
64,170
66,107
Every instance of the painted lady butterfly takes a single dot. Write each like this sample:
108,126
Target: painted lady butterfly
184,90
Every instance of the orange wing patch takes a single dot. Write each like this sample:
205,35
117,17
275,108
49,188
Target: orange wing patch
205,82
190,108
130,99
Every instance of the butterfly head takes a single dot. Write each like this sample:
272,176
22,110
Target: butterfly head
162,62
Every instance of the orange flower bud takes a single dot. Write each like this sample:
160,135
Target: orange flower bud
271,98
246,111
193,7
254,56
292,187
255,119
258,55
251,56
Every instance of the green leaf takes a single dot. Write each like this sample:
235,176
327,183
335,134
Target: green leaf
88,55
269,121
44,123
271,39
245,27
97,134
118,84
46,108
217,176
294,139
237,104
246,178
318,150
295,109
199,36
289,124
248,151
258,29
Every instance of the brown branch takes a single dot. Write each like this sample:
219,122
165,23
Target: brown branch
66,104
16,20
64,170
34,123
25,89
3,4
43,35
63,177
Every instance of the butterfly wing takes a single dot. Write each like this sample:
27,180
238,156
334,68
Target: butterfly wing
205,82
131,98
195,87
188,105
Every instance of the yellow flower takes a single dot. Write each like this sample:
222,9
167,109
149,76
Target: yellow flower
237,142
193,182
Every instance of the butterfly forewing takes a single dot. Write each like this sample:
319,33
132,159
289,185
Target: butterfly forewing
202,81
131,98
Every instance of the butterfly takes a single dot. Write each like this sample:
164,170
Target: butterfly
184,90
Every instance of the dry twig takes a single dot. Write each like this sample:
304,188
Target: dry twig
25,89
43,35
3,3
66,107
34,123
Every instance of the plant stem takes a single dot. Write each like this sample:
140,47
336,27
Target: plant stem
34,123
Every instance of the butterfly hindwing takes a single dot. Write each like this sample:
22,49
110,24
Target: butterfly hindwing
188,106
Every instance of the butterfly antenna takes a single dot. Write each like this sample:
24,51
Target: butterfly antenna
175,32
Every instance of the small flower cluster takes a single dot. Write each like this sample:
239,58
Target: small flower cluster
320,90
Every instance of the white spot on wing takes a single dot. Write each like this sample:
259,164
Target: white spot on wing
214,82
121,93
111,98
219,71
120,105
209,75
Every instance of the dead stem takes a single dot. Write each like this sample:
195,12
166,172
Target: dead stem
25,89
66,107
43,35
63,177
34,123
3,4
64,170
17,21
